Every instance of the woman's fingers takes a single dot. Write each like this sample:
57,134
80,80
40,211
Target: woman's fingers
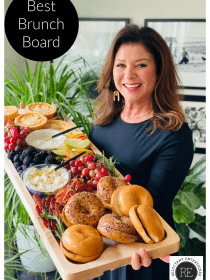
145,259
140,258
166,258
135,261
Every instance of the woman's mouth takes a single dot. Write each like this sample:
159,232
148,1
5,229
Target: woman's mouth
132,87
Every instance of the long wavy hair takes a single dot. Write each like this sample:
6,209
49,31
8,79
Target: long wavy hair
168,114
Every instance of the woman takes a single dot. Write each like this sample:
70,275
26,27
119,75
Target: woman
138,120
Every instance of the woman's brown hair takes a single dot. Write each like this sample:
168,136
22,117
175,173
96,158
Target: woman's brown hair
168,114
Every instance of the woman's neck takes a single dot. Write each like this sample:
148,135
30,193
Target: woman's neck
134,113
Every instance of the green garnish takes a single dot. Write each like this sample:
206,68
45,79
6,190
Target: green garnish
59,223
109,163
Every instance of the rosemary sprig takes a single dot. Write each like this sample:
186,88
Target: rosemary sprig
59,223
109,163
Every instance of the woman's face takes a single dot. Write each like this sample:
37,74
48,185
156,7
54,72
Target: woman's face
134,72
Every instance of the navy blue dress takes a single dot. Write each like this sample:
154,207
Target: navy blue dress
159,162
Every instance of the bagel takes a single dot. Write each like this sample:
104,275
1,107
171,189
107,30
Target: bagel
128,196
147,223
105,188
118,228
84,208
64,218
81,243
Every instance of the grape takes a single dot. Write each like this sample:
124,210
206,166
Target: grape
85,172
127,178
14,132
7,139
95,183
13,140
74,170
82,159
6,146
78,163
10,124
19,142
92,173
104,171
23,133
5,133
89,158
99,176
80,168
11,146
91,165
72,163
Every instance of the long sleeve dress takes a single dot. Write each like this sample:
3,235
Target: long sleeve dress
159,162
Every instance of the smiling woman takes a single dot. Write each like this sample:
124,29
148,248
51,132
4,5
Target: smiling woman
145,129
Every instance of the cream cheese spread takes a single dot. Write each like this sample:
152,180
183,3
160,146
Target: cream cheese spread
36,139
46,182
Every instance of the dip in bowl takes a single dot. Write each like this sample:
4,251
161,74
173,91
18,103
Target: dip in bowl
46,184
36,139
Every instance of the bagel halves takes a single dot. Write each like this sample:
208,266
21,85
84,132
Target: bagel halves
147,222
81,243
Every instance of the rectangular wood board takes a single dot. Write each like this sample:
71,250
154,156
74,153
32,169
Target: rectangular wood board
114,255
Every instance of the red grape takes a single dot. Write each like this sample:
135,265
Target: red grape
74,170
11,146
5,133
19,142
72,163
23,133
127,178
80,168
99,176
6,146
14,132
85,172
78,163
89,158
7,139
82,159
91,165
10,124
13,140
95,183
104,171
92,173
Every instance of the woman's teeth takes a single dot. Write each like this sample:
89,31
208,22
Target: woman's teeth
132,86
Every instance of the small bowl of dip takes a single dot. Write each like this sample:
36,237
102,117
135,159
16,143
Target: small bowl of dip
36,139
46,184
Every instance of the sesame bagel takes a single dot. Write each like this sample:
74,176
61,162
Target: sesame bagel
81,243
105,188
117,228
84,208
129,196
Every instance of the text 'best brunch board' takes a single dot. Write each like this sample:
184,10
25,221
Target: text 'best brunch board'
114,255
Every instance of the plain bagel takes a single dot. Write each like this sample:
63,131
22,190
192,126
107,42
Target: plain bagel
105,188
81,243
147,222
126,197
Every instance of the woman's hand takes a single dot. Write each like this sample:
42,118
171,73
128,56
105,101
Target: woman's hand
141,258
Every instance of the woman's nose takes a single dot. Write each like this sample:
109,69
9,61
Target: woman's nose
130,73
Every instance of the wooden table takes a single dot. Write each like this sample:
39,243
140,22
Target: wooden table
114,255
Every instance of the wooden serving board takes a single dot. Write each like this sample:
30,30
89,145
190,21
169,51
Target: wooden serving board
114,255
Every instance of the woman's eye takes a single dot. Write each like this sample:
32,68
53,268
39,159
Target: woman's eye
120,65
141,65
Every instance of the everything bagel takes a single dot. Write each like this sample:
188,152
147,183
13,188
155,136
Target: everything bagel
84,208
105,188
